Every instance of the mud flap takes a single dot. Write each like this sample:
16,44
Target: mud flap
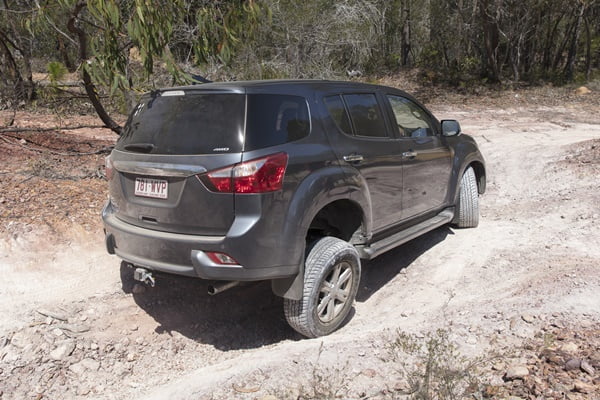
290,288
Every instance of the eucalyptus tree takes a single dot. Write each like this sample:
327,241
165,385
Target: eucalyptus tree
119,43
16,48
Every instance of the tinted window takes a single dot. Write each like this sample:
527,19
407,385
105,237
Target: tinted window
275,119
180,122
338,113
412,120
365,114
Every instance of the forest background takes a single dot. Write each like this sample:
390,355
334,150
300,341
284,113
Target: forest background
119,49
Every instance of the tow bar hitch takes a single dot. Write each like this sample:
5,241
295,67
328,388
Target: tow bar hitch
143,275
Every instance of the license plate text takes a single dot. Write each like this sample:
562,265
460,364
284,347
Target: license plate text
155,188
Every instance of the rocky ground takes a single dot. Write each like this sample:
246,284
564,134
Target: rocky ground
508,310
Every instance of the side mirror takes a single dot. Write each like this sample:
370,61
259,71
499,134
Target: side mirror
450,127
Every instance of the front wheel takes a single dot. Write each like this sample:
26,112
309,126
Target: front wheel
467,209
331,279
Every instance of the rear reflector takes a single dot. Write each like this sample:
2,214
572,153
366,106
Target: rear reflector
255,176
221,258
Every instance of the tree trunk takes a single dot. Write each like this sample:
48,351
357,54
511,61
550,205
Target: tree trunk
570,65
64,53
462,48
515,62
406,37
29,85
89,86
588,50
491,38
549,45
24,89
11,73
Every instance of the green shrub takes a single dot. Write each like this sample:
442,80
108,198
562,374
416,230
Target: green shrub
56,71
434,368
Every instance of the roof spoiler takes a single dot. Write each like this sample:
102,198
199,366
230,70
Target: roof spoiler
196,79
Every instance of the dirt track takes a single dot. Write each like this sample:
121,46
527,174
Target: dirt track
530,265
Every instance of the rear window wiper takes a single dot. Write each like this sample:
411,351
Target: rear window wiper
139,147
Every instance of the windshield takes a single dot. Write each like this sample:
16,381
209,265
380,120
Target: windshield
187,122
178,122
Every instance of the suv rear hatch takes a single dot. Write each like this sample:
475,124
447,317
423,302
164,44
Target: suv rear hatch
158,166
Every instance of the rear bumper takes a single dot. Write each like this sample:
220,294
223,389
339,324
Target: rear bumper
183,254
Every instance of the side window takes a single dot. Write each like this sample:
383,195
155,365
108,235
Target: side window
338,113
412,120
275,119
366,115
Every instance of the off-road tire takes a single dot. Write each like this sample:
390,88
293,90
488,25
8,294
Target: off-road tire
467,208
328,255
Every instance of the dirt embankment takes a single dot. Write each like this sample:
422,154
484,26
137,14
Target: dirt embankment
518,298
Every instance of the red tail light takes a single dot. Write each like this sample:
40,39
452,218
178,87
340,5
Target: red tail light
255,176
109,170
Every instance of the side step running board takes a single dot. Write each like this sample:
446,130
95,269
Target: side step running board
375,249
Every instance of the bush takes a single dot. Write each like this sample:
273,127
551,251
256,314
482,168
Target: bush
56,71
434,368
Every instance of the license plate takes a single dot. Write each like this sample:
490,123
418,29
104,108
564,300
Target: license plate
155,188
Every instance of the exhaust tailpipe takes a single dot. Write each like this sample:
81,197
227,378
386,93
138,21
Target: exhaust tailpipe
218,288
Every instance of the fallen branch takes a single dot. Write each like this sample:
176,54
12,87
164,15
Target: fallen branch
75,95
57,128
105,149
89,86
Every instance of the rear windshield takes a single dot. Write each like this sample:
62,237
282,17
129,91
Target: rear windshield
179,122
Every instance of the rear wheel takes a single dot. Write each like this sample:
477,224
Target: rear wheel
467,209
331,279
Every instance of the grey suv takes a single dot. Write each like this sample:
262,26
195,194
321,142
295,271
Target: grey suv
289,181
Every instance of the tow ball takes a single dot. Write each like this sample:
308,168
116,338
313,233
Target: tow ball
145,276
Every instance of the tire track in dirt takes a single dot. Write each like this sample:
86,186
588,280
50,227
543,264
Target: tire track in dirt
535,251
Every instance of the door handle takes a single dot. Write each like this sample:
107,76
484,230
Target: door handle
353,158
410,154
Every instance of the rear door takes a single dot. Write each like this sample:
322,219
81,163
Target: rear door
170,140
426,157
362,140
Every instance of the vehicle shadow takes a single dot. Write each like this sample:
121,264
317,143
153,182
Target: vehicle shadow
250,315
244,317
378,272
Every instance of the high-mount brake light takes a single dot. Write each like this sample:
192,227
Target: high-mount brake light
261,175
